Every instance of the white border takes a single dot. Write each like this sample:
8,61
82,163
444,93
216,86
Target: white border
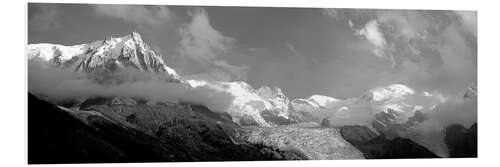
13,84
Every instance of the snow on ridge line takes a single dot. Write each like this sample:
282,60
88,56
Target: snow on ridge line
388,92
322,100
47,51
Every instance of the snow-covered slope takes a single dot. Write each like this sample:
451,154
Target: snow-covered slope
106,55
248,104
315,103
389,93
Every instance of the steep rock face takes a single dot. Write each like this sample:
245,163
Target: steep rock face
378,146
104,56
111,133
310,139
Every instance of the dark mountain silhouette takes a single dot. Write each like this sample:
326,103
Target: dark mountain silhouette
461,142
376,146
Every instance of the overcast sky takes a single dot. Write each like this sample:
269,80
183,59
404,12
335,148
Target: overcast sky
305,51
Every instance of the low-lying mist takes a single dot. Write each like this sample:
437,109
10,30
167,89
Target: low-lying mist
60,84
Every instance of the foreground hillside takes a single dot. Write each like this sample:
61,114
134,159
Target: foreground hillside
136,134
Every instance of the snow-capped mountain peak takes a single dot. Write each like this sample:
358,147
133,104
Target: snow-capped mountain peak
109,54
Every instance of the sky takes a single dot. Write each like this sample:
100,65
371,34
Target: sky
304,51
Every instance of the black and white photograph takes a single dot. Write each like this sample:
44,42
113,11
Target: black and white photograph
146,83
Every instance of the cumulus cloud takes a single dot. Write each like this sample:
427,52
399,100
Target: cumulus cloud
200,40
205,45
372,33
44,17
469,20
140,15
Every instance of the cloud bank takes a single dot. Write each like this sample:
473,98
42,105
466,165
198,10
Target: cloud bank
58,84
